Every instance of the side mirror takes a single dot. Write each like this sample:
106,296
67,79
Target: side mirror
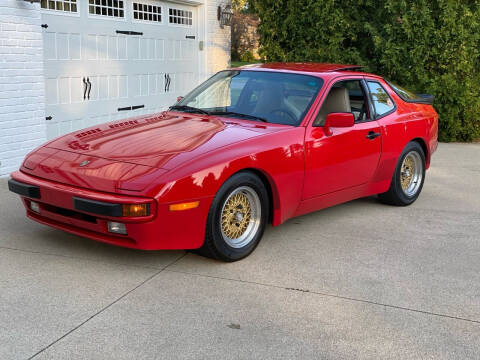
341,120
179,98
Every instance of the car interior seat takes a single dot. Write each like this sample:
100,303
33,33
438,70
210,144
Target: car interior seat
338,100
270,98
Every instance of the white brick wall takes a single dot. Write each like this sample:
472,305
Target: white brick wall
218,40
22,108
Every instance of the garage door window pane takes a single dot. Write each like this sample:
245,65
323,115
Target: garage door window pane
147,12
180,17
69,6
110,8
381,100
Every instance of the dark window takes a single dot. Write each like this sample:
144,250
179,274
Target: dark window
110,8
409,96
403,93
177,16
147,12
60,5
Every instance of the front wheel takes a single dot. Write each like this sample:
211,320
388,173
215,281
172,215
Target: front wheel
237,218
407,181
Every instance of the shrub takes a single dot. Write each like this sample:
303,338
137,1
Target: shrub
429,46
247,56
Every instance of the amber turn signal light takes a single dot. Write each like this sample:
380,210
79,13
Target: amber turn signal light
130,210
184,206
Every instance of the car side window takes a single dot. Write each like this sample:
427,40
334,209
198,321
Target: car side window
345,96
382,102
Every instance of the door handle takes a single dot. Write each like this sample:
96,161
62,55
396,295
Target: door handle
85,86
372,135
167,82
89,88
129,32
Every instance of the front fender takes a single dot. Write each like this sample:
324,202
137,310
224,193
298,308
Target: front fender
279,157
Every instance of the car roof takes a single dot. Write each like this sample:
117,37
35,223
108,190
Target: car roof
307,68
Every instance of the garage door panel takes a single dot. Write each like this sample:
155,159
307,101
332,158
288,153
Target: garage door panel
133,46
62,46
149,68
66,119
76,89
64,90
159,49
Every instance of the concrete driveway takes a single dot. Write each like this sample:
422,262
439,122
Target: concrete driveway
357,281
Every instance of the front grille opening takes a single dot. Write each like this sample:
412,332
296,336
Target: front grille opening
70,213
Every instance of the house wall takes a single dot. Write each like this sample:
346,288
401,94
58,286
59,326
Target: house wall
218,40
22,109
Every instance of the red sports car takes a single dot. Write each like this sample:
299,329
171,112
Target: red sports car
249,146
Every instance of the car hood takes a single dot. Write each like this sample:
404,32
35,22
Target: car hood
88,171
131,154
159,141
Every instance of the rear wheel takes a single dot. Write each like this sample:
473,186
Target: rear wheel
237,218
407,181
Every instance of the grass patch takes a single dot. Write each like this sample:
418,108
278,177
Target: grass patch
241,63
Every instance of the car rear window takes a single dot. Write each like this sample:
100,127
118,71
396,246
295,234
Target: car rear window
403,93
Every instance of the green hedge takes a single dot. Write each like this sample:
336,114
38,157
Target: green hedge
428,46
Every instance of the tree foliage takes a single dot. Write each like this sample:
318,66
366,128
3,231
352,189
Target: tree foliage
244,36
239,5
429,46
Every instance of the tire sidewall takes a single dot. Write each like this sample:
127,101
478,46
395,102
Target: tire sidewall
223,250
407,200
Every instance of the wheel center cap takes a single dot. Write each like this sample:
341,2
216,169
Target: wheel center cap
239,216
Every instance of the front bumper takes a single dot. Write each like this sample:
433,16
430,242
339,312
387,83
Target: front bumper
161,229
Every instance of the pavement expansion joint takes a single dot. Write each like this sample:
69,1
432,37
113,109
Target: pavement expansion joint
107,306
333,296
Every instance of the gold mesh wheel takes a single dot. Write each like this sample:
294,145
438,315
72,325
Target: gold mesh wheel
240,217
411,173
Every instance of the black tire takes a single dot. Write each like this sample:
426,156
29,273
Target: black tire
395,194
215,246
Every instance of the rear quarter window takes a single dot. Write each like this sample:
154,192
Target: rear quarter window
382,102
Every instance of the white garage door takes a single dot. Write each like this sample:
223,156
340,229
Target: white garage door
111,59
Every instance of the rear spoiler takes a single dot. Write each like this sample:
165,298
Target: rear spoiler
424,99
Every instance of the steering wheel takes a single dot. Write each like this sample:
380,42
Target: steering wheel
286,112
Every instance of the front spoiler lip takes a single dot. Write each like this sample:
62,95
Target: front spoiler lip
112,239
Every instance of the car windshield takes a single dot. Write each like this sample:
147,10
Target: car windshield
274,97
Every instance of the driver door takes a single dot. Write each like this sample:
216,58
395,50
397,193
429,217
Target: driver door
349,156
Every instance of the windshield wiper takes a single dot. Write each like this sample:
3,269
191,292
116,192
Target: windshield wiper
189,109
233,113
